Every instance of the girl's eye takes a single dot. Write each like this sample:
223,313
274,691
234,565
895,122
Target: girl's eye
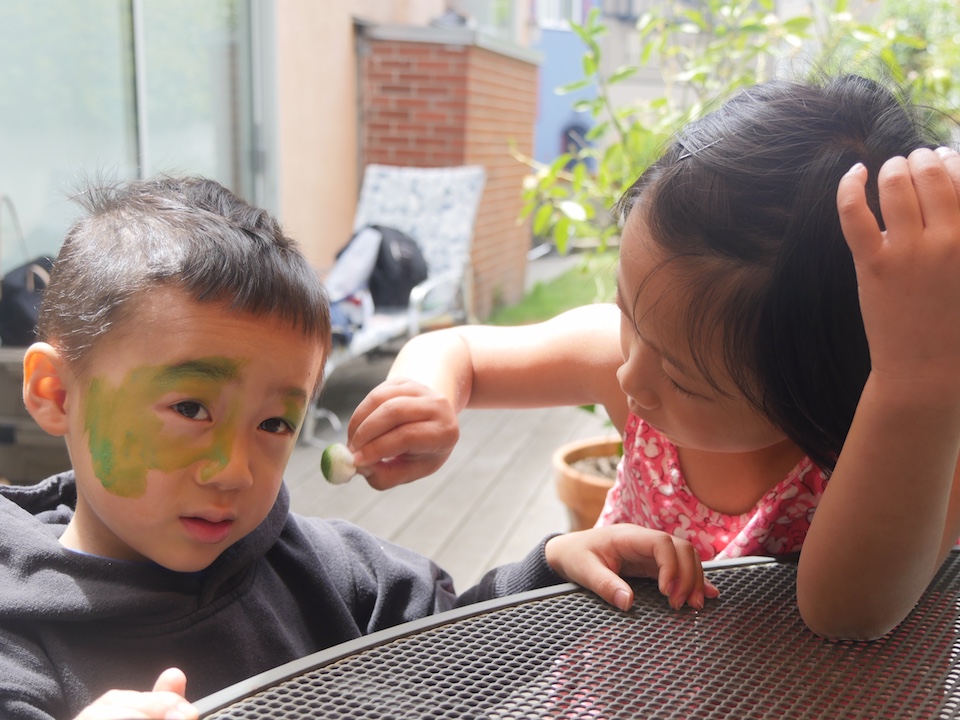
276,425
191,410
679,389
682,390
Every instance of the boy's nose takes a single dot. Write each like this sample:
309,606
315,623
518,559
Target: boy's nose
231,471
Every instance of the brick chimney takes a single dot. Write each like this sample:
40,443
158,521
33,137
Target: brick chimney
450,96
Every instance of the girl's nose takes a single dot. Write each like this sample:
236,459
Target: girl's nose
633,382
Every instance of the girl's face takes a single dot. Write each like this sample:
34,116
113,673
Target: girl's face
180,430
658,375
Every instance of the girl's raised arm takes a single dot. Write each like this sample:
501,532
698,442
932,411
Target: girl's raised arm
891,510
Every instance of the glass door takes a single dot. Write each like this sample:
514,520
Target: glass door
66,112
193,79
114,90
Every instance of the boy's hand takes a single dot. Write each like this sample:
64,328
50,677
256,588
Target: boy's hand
400,432
597,558
165,702
907,273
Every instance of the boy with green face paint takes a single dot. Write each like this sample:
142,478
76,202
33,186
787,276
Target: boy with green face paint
181,340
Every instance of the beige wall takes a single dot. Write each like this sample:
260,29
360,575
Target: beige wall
317,117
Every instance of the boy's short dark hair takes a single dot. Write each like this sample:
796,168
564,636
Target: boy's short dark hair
189,233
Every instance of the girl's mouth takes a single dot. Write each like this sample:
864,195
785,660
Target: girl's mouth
207,531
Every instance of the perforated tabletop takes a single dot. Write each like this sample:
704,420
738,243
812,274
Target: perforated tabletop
569,655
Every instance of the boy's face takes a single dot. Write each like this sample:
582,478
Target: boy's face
180,430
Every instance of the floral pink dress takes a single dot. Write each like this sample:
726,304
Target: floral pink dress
651,491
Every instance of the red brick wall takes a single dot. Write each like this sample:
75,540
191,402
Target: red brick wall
431,104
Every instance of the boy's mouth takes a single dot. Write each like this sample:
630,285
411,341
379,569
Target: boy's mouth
207,531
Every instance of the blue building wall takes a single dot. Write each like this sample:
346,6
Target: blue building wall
562,64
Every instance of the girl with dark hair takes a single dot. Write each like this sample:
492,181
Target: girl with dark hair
783,360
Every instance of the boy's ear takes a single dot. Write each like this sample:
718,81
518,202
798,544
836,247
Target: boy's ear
44,388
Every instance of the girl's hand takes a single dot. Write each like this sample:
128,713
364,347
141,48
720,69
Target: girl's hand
402,431
597,558
166,701
907,273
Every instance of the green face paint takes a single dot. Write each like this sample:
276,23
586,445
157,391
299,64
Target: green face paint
127,439
294,409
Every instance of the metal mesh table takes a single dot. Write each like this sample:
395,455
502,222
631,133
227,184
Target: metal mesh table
564,654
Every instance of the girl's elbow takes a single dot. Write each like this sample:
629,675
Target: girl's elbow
839,621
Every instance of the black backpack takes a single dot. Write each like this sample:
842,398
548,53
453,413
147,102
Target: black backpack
399,268
20,293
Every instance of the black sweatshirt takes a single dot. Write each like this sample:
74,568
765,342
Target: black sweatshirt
73,626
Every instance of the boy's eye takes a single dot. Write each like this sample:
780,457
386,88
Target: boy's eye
276,425
192,410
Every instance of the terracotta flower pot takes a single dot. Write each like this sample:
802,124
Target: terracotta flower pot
583,493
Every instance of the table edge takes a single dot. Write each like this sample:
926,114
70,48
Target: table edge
256,683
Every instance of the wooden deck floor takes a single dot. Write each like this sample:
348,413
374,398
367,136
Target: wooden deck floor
489,504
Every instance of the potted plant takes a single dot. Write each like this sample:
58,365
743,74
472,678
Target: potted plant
584,470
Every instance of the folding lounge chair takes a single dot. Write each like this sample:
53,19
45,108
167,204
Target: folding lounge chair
437,207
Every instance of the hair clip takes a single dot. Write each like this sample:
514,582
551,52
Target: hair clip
688,153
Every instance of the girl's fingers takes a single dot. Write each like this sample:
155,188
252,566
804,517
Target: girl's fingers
899,205
859,226
395,387
417,429
709,589
401,416
935,192
665,555
597,558
951,161
389,474
612,588
582,565
681,573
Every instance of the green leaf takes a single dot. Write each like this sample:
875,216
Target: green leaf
559,163
561,234
528,207
622,73
589,64
573,87
696,17
889,59
579,176
598,130
541,221
582,32
645,23
797,24
911,41
864,33
646,52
